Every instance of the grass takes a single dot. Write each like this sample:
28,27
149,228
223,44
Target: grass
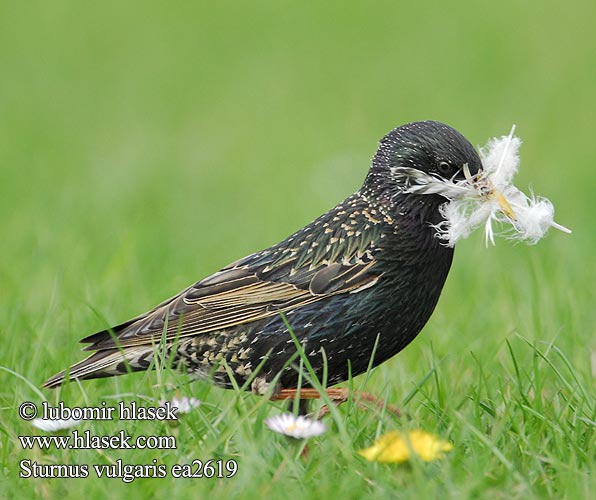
143,146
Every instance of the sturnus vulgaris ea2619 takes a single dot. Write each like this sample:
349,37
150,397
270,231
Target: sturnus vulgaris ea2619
367,273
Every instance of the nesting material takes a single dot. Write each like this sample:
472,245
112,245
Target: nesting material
488,198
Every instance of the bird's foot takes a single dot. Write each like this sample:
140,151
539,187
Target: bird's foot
338,396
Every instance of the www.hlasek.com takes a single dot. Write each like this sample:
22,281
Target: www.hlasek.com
85,441
60,417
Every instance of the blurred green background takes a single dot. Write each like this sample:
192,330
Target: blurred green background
144,145
153,142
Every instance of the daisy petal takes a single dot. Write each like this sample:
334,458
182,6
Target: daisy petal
55,425
183,404
298,427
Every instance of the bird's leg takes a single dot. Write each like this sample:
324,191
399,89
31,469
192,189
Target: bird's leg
340,395
303,406
337,395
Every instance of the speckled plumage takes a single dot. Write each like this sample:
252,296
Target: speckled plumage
369,271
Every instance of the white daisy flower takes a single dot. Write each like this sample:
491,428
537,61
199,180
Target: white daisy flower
487,197
184,404
296,427
55,425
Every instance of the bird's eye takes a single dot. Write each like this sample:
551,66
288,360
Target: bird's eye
445,168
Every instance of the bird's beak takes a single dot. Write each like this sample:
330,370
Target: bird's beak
503,203
492,193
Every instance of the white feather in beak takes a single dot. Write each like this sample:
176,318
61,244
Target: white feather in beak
487,197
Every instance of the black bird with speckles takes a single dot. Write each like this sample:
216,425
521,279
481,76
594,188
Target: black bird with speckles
368,272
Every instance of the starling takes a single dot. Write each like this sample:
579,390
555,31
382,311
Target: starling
359,282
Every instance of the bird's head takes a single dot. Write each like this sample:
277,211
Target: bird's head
427,158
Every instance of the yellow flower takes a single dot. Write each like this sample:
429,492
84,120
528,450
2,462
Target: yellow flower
395,447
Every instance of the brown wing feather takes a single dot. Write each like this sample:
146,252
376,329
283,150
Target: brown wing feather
231,297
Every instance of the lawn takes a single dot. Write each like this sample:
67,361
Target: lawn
144,145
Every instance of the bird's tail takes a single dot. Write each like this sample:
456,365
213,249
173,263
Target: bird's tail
106,363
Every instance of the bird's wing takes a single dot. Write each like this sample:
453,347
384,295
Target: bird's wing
240,293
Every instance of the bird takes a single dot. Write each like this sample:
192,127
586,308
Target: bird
350,290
